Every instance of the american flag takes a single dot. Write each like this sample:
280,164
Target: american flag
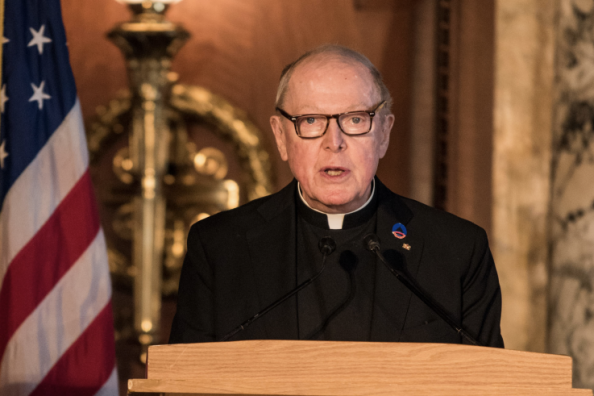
56,331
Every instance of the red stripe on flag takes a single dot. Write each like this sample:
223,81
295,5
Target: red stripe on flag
43,261
85,367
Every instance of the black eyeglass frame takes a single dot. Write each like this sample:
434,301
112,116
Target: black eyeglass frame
294,118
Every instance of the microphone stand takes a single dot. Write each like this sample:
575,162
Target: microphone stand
372,244
326,246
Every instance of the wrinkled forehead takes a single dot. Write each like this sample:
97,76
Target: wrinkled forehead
331,74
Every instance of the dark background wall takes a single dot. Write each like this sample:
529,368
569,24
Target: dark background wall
238,49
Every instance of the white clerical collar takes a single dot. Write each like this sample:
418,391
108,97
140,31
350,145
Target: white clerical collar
335,220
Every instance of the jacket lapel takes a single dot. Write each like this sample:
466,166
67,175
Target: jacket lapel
272,253
272,248
392,298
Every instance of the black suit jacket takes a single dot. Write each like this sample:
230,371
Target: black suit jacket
241,260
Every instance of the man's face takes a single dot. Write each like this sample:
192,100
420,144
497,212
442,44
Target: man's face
335,170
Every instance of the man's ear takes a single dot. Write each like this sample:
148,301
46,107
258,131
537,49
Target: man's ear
384,135
279,136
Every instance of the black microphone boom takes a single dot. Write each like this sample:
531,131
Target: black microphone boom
326,246
372,243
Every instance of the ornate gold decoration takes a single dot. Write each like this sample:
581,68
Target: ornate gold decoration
160,183
233,125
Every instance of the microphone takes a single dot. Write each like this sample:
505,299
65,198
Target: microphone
372,243
326,246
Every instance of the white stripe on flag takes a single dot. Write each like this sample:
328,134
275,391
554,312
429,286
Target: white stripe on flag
57,322
111,385
42,186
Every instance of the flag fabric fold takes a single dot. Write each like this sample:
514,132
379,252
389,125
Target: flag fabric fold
56,327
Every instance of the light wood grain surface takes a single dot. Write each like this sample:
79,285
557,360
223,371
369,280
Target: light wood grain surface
186,387
351,368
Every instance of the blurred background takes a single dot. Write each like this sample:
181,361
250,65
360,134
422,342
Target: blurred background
494,106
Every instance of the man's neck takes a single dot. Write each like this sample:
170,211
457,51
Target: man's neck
335,220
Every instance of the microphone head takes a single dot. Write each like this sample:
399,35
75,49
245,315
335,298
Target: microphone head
371,242
327,245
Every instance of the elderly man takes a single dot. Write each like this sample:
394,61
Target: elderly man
333,125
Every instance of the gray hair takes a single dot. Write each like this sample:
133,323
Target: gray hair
342,53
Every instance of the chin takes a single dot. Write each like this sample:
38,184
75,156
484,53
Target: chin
337,200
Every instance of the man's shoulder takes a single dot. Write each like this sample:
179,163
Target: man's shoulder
438,218
446,237
436,222
247,215
237,217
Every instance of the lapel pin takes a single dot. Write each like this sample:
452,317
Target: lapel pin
399,230
406,246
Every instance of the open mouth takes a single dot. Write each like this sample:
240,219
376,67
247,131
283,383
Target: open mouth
334,171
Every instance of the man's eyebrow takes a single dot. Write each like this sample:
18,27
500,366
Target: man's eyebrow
317,110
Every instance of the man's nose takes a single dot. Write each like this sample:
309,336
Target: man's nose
334,138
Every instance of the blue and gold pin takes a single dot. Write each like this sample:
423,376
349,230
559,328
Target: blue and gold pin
399,230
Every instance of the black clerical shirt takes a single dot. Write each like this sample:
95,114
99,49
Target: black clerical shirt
242,260
339,304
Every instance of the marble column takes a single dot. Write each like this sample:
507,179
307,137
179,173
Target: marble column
572,215
423,102
524,71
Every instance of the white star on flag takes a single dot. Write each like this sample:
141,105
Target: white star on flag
58,339
39,39
5,40
3,154
39,95
3,98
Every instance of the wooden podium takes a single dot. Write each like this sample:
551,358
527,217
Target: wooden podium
317,368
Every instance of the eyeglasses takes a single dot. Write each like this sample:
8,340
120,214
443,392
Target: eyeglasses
352,123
